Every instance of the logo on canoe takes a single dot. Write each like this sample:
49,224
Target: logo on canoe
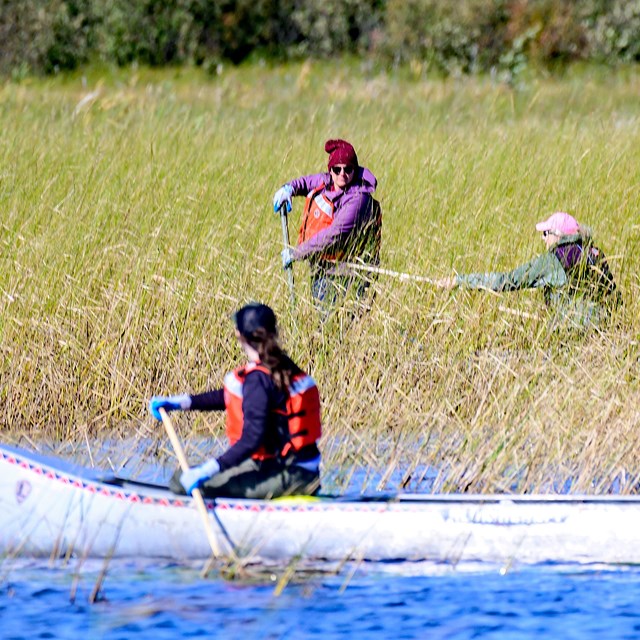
23,489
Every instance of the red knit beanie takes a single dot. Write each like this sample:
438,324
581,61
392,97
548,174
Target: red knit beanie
340,152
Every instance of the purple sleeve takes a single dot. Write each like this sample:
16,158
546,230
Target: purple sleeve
345,218
256,403
304,185
209,401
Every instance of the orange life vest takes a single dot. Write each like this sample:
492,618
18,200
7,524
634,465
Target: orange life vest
317,215
302,410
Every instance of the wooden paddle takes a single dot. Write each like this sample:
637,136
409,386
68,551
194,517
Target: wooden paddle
196,493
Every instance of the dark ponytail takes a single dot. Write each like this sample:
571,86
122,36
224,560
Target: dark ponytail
282,368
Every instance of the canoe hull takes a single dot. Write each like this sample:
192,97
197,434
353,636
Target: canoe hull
47,511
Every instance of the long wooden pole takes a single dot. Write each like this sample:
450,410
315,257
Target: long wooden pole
285,242
388,272
196,493
416,278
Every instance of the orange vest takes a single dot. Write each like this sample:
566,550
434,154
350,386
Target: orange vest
302,410
317,215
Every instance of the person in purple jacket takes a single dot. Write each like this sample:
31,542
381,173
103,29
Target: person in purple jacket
341,223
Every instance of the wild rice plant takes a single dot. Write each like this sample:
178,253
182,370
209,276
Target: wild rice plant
136,217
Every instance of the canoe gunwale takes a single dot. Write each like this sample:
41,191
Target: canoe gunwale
140,491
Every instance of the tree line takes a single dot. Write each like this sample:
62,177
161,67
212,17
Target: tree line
446,36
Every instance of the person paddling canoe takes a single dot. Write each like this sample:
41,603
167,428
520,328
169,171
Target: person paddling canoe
341,222
273,420
573,273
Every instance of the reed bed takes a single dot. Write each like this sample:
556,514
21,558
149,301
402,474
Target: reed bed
136,216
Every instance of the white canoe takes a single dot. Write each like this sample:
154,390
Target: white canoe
49,508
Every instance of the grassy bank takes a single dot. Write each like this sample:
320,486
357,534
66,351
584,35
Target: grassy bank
136,216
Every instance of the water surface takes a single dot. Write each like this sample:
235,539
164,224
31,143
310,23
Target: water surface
374,602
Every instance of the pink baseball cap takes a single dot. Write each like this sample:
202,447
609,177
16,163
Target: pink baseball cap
560,224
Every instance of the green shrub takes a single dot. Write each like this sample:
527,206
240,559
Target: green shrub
614,35
553,30
37,35
330,27
152,32
448,36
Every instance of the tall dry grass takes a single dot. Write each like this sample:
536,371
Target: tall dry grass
136,216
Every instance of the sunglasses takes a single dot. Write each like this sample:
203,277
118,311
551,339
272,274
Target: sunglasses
546,233
337,170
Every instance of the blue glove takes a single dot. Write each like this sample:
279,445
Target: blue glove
169,403
283,195
196,476
287,257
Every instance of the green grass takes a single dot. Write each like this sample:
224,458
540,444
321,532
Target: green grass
134,223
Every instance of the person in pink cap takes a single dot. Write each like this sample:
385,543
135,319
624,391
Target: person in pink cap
341,222
573,273
558,225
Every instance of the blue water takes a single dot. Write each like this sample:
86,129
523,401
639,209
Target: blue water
370,602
